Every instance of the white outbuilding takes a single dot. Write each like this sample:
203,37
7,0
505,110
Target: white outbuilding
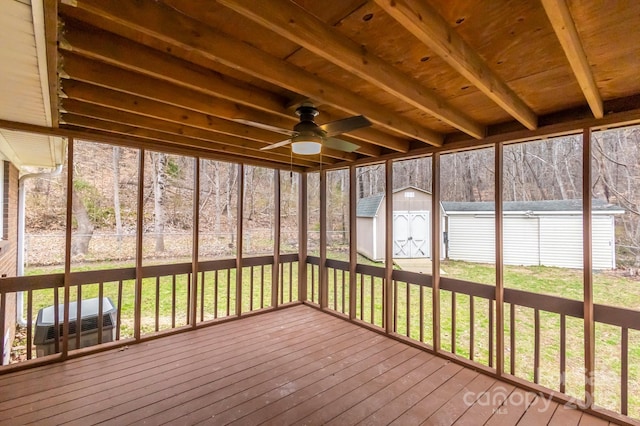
411,224
545,233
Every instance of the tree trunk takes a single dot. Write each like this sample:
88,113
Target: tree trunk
218,209
116,192
159,187
82,237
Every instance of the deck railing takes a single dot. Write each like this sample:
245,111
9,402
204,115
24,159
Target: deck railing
466,325
468,330
166,301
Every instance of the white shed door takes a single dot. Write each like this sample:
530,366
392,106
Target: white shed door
411,235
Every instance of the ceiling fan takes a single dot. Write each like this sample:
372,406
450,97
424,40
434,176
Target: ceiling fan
308,138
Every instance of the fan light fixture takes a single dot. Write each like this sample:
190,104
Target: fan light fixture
306,144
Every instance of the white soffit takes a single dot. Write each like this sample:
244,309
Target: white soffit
24,85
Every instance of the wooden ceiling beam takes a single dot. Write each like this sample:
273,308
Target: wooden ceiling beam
430,28
123,53
296,24
51,36
171,148
565,29
154,135
150,18
249,104
110,77
137,105
79,133
110,98
79,108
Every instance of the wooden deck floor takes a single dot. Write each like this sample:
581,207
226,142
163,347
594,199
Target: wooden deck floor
293,366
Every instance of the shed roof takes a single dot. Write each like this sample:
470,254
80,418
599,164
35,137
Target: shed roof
368,206
533,206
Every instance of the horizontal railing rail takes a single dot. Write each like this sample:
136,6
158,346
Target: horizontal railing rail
166,297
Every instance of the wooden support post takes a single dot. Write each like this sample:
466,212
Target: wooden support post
436,241
275,276
388,246
67,251
196,241
302,236
239,239
353,243
139,229
589,326
322,270
499,261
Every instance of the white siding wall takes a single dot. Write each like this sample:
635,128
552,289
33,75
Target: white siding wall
541,240
364,236
603,242
521,242
472,238
561,241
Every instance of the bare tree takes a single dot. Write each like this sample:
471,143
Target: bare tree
82,238
116,192
159,161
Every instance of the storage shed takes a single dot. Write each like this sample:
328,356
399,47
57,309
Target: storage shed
411,224
545,233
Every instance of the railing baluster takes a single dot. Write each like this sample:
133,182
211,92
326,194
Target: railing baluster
79,317
536,346
453,322
383,299
215,294
342,284
372,301
56,321
228,292
472,345
173,301
281,282
188,298
395,305
512,336
361,297
421,313
491,329
563,353
261,286
119,312
158,303
290,281
313,283
29,323
624,366
202,277
251,290
100,313
3,309
335,289
408,310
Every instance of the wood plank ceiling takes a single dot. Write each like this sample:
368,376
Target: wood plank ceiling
194,76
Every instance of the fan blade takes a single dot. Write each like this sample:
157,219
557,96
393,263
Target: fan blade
276,145
345,125
339,144
264,126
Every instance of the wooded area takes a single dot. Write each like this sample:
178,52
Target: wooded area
105,187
